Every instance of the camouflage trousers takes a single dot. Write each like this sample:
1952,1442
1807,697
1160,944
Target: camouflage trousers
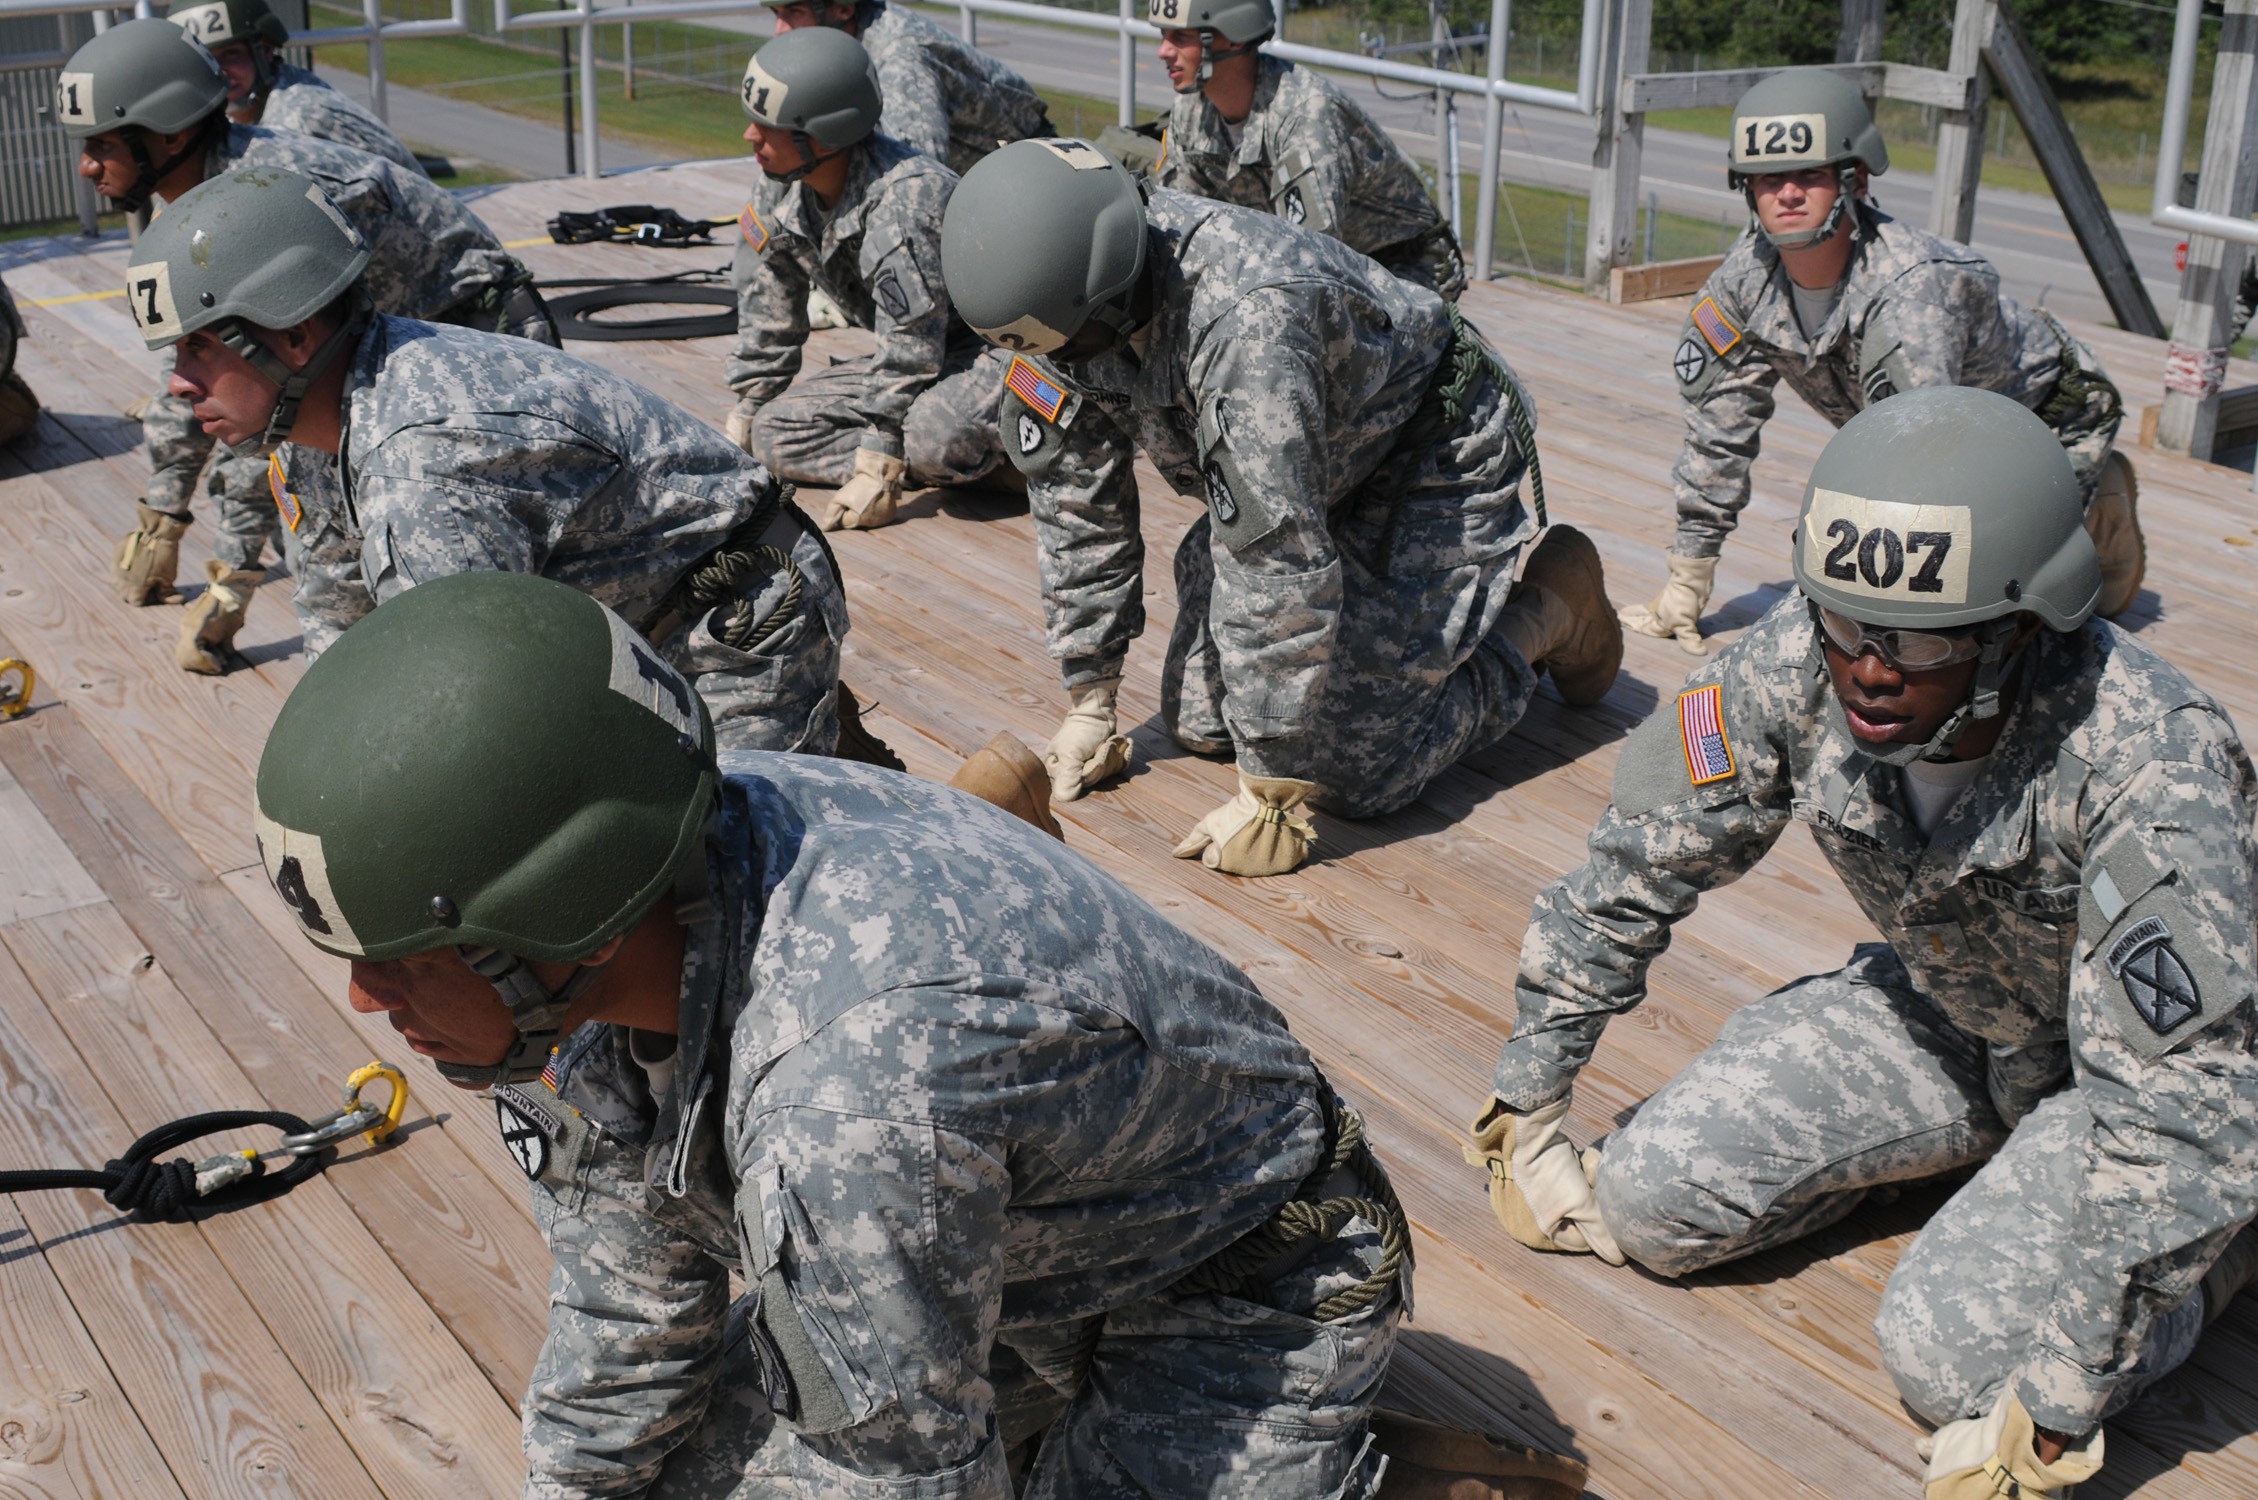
1419,674
810,433
1842,1083
1190,1395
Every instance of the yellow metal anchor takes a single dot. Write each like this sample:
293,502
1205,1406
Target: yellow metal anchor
14,701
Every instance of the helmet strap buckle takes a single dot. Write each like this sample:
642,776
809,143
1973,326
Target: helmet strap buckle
537,1011
236,335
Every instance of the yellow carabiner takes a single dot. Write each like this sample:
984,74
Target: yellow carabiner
14,702
397,1106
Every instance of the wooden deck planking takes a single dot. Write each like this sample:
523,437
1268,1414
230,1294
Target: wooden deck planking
1391,954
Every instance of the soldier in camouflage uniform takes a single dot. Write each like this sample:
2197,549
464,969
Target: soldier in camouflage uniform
1259,132
2051,827
411,451
944,96
1849,307
245,38
144,100
857,216
999,1153
1348,623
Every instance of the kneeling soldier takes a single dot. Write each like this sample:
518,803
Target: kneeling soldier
1849,307
246,39
1262,133
2051,827
1006,1161
857,216
146,103
1348,623
412,451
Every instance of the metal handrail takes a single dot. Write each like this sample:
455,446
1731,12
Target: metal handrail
2171,151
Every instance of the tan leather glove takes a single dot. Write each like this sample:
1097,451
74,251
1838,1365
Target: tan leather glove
1089,746
867,501
739,428
1540,1189
1257,832
1676,611
207,631
148,558
1981,1458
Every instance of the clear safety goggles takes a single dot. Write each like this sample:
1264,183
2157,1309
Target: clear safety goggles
1907,650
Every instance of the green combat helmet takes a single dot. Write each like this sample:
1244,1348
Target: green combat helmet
863,14
1801,118
1040,238
1942,508
223,23
140,78
492,762
1245,24
261,248
820,85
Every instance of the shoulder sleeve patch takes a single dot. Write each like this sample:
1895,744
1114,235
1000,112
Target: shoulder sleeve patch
1701,734
750,226
1036,389
1243,514
1714,326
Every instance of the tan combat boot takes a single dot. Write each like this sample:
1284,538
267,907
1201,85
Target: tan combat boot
19,408
2113,521
207,631
1008,774
1427,1461
857,742
1559,619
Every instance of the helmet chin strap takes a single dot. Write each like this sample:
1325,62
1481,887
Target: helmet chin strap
814,159
1804,239
237,335
1982,702
1209,55
537,1011
148,173
263,71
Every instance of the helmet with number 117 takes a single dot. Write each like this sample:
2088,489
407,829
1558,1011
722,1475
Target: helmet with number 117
1932,521
1798,119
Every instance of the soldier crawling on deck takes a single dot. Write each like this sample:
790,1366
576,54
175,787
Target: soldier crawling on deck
410,451
1850,307
144,100
1259,132
856,215
2052,829
1348,623
1015,1172
943,96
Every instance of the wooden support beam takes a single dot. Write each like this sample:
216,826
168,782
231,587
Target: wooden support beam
2203,324
1621,139
1722,88
2015,67
1861,37
1960,135
1660,278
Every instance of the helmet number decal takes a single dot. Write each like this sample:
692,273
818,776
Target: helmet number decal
1880,549
206,23
74,98
300,876
763,93
1165,13
1763,137
638,674
148,292
1080,155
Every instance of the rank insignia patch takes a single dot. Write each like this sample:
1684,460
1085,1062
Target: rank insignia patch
750,226
2156,981
1701,724
292,512
1721,334
1029,385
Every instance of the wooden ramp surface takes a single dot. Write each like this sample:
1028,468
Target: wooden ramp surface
369,1334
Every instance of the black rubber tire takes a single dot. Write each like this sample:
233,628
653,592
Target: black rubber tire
571,312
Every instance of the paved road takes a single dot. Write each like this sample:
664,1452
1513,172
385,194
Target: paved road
2024,234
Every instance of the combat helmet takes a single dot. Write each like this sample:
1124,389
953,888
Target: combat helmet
1942,508
492,762
1801,118
864,13
224,23
820,85
262,248
141,78
1042,237
1245,24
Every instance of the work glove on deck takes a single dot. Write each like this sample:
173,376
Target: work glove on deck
1540,1188
1980,1458
867,501
1257,832
1676,611
1089,745
148,558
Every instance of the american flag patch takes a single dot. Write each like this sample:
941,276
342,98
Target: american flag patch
284,501
549,1073
1029,386
750,226
1721,334
1701,723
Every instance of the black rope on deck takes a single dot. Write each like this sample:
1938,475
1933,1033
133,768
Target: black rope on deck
165,1192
